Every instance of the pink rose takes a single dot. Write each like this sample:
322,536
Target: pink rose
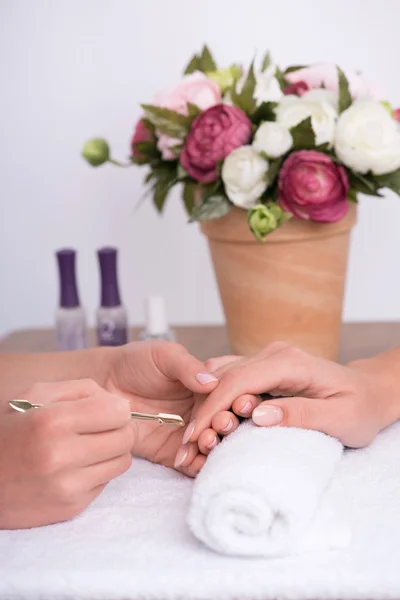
297,89
326,74
312,186
396,114
193,89
141,134
214,134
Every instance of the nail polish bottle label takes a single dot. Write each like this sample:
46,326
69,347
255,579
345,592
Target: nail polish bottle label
109,333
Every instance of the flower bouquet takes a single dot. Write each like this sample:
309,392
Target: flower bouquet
270,149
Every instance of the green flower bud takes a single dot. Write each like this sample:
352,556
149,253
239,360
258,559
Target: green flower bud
225,78
96,151
265,218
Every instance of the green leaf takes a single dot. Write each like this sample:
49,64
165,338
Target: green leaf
160,193
273,170
148,149
264,112
193,65
167,121
352,196
281,78
303,135
324,147
213,208
390,181
207,63
193,110
245,98
294,68
149,125
181,173
189,190
365,184
345,99
150,175
266,61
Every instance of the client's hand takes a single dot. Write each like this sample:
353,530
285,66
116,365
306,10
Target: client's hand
164,377
352,403
55,460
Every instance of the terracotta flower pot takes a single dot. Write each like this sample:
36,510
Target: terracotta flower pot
289,288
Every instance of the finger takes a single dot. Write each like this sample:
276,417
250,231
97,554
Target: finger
185,455
220,362
95,448
194,469
306,413
176,363
244,406
290,371
46,393
208,440
225,423
100,412
100,474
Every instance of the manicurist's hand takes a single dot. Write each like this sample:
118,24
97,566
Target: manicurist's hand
165,377
55,460
352,403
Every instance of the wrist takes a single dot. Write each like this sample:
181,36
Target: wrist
96,363
382,378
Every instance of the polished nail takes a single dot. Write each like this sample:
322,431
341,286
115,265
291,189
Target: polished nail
205,378
228,427
214,443
267,415
180,457
189,432
247,408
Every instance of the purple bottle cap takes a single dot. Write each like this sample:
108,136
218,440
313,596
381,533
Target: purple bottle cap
68,289
108,272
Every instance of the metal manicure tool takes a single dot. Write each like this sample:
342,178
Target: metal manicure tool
162,418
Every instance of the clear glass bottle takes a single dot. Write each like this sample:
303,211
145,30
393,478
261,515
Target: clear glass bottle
156,321
112,320
71,325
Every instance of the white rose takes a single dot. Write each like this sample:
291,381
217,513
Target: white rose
244,174
368,139
272,138
320,105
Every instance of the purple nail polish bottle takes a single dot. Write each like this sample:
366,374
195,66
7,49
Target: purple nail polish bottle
112,322
71,326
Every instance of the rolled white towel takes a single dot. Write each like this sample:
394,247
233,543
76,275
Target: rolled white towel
259,491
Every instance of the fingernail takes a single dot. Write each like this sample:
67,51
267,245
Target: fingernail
211,446
247,408
188,433
205,378
267,415
180,457
228,427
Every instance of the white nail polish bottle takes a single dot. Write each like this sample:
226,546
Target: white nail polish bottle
156,321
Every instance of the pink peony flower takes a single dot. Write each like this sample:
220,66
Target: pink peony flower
141,134
396,114
193,89
312,186
214,134
326,74
297,89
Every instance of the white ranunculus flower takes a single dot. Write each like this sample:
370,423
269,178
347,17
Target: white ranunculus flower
319,106
368,139
272,138
244,174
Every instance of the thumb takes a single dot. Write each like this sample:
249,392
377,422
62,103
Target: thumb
304,413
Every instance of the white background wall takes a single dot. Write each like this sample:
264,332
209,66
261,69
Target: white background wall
73,69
